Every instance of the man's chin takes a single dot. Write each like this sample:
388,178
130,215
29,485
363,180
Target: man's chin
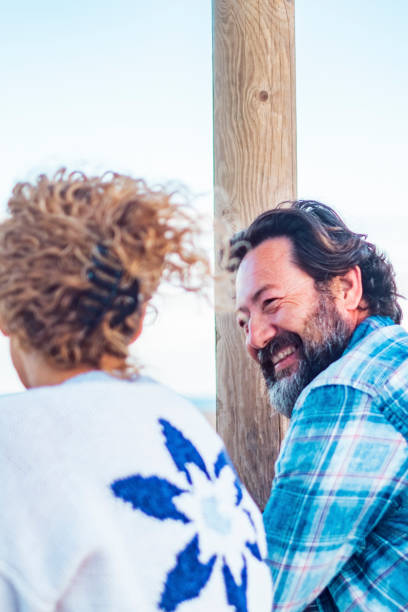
286,372
284,392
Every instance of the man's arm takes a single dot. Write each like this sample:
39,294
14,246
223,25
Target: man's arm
336,476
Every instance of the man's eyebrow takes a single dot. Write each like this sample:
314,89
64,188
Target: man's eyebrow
255,297
258,293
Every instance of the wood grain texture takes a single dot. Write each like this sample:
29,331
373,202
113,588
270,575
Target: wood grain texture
254,169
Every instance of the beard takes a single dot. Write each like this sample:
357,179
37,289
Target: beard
323,341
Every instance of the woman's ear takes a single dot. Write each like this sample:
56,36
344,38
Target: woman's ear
139,329
3,328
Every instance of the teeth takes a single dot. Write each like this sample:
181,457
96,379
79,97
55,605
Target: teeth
282,354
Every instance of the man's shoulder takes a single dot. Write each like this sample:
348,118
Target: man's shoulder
372,371
377,354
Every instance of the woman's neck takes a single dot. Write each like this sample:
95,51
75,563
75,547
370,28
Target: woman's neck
35,370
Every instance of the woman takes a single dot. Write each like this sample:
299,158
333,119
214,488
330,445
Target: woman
115,494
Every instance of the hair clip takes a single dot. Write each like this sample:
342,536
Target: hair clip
106,275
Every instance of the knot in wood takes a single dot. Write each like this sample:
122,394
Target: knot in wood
263,95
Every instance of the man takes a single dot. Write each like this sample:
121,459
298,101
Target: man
318,307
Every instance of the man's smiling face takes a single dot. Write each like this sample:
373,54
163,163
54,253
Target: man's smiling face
292,329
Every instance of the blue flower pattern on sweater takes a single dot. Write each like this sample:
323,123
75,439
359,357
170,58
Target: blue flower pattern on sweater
225,533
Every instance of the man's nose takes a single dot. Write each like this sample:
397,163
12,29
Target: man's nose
259,334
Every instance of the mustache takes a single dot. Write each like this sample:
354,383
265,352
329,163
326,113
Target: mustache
266,354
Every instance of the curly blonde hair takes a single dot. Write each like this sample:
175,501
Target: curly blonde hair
60,232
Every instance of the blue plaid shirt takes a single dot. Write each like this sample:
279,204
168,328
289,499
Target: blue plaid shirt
337,518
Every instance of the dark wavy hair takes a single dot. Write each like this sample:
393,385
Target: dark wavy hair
324,247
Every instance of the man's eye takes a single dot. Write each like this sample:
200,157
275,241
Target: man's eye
271,305
269,302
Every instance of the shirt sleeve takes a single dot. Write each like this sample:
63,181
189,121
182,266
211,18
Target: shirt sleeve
336,477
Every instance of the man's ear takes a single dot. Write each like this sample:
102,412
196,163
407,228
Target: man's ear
349,289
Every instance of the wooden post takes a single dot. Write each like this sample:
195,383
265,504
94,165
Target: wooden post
254,169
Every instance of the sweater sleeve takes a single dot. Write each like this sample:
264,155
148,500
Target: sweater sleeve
16,599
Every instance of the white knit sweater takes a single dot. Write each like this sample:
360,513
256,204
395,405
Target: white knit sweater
118,496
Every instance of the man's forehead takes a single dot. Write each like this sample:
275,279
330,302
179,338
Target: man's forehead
270,250
258,271
267,260
270,265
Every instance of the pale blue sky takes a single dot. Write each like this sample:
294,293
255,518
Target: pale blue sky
122,84
127,85
352,121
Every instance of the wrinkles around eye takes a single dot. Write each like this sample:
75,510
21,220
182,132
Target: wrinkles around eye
271,304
